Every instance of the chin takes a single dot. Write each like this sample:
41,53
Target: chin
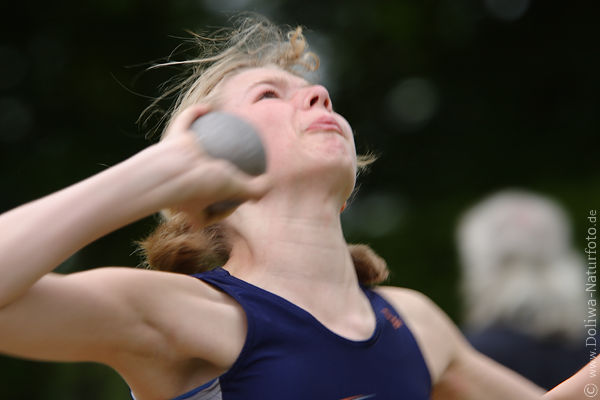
333,167
339,171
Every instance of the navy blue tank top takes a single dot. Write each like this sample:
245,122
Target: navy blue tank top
288,354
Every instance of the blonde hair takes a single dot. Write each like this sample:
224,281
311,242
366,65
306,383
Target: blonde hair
519,267
252,42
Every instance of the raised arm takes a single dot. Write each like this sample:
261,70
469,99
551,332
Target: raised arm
37,236
94,315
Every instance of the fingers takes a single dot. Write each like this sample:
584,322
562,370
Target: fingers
259,186
242,188
181,123
248,189
230,188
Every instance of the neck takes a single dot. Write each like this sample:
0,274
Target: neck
293,248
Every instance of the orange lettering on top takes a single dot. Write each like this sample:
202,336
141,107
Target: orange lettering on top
395,321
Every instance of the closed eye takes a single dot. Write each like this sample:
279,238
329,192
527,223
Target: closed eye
267,94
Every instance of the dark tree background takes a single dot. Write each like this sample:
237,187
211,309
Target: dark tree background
459,99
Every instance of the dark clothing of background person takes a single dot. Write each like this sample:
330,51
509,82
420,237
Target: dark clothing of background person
545,361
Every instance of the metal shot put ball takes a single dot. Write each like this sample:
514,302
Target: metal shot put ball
226,136
229,137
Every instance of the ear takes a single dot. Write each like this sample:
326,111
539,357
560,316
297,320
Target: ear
343,207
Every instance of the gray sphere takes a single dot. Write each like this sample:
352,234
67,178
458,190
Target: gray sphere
226,136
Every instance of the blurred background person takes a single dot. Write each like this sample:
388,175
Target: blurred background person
523,286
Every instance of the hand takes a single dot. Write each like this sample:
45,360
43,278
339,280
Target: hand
209,181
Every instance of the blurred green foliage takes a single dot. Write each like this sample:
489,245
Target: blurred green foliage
459,99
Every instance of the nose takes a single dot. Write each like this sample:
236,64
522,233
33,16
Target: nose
317,96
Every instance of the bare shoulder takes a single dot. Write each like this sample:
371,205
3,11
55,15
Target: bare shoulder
142,323
142,284
153,294
195,330
435,333
415,307
457,371
188,314
159,330
407,298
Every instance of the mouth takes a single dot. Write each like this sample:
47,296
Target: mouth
325,124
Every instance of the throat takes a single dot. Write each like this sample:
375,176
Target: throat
294,251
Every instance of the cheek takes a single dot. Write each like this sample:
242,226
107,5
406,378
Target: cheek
279,150
275,129
266,120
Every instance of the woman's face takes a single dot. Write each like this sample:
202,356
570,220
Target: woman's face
303,136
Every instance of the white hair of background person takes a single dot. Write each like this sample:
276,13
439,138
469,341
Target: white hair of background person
519,266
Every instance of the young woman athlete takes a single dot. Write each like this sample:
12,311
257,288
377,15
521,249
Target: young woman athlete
291,313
